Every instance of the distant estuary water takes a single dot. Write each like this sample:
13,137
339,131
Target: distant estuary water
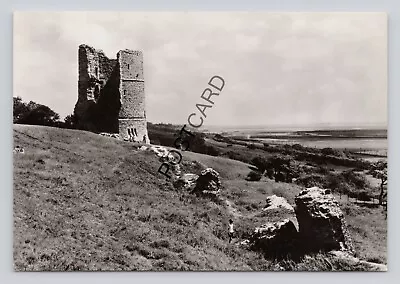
378,145
372,142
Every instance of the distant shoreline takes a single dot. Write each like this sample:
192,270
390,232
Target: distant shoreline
364,142
214,128
310,135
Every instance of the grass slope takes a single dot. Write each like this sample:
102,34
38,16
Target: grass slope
87,202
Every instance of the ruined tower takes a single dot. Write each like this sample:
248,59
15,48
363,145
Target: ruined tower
132,114
111,95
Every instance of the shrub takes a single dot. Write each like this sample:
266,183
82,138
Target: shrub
312,180
322,170
251,146
335,181
298,147
356,180
266,146
280,177
34,114
269,173
329,151
70,121
220,138
364,196
254,176
212,151
261,163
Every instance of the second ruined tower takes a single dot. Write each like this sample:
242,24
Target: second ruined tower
132,114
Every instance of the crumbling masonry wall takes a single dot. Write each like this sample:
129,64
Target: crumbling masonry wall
111,94
132,115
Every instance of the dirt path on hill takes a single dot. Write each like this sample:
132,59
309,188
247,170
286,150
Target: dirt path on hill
236,213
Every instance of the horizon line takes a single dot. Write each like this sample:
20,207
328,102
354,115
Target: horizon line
283,126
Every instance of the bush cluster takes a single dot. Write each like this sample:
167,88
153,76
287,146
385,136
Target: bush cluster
278,167
37,114
347,182
254,176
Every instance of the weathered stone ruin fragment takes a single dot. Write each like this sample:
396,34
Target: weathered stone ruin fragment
277,202
322,226
186,182
276,239
160,151
321,223
208,183
111,96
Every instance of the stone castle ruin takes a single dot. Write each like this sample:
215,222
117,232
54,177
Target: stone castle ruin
111,95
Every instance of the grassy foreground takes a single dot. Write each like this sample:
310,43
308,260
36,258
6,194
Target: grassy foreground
87,202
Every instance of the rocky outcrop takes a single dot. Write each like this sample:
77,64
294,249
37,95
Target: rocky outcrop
321,221
275,240
208,183
160,151
186,182
322,228
277,202
111,135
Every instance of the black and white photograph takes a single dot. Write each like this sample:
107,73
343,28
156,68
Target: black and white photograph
200,141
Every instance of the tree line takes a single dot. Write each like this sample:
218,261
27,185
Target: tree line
350,182
33,113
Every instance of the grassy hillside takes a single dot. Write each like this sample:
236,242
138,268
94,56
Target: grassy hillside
87,202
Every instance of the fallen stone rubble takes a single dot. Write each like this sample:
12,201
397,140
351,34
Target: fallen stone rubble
111,135
276,239
322,227
277,202
208,183
19,150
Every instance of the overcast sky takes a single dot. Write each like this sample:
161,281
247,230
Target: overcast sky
282,69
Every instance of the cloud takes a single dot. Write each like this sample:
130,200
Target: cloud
279,68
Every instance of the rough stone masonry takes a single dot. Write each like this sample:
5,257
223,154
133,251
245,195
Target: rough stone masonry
111,94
